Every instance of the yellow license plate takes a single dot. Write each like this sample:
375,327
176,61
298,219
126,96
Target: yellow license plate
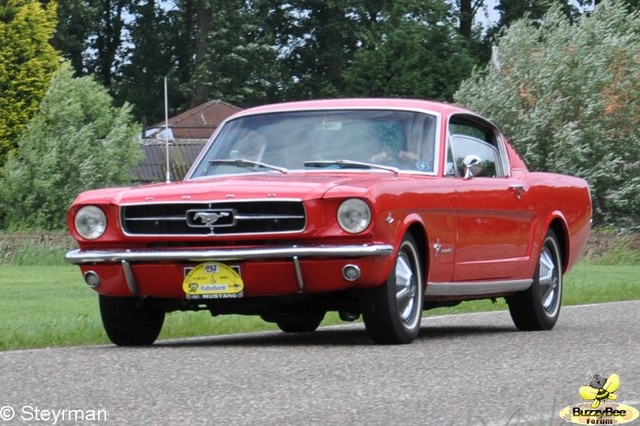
212,280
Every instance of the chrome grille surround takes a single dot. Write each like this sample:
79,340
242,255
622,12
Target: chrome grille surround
246,217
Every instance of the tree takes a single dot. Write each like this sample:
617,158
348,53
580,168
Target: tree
317,40
535,10
252,52
76,141
107,40
568,95
511,11
154,35
418,53
76,23
239,61
92,35
467,12
27,62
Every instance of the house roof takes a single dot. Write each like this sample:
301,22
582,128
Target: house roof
191,130
198,122
153,166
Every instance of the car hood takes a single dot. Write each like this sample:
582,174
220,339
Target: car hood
302,186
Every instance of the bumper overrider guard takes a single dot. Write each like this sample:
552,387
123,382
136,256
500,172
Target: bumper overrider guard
126,257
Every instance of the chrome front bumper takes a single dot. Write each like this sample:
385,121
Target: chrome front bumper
79,257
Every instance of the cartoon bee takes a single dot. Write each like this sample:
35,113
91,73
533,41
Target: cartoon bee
600,388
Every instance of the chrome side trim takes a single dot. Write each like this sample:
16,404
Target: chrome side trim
78,257
476,287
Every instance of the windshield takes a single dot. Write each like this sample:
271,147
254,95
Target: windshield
312,140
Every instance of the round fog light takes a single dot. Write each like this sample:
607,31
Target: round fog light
92,279
351,272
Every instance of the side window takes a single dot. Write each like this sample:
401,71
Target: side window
476,147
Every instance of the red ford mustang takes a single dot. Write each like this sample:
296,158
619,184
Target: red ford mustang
372,207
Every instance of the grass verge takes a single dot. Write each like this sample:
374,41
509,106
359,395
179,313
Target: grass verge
42,306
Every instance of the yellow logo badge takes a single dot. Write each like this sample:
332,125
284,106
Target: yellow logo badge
599,410
600,389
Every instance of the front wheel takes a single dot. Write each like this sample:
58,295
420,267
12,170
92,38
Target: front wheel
392,312
129,321
538,308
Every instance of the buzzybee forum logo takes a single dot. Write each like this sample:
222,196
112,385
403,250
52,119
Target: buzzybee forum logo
599,408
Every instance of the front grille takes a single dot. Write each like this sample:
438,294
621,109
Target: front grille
249,217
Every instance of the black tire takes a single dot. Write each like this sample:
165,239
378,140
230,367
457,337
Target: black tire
299,323
392,313
129,321
538,308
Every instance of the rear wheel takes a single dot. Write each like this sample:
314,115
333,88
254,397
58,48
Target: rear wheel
129,321
538,308
392,312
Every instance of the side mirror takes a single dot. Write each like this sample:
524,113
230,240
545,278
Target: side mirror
472,166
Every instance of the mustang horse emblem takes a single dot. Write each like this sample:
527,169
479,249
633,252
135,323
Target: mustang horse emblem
209,218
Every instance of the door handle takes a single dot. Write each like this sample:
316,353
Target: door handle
519,189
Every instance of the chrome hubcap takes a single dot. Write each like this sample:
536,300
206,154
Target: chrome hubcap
405,288
549,280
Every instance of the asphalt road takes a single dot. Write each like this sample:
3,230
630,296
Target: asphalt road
473,369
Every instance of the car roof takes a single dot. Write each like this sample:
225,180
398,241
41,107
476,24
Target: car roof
357,103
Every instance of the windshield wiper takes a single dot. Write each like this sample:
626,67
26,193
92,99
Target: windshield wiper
249,164
348,164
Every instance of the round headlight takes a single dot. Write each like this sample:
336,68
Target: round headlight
90,222
354,215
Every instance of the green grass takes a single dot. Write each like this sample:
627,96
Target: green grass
622,253
43,306
32,254
31,249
